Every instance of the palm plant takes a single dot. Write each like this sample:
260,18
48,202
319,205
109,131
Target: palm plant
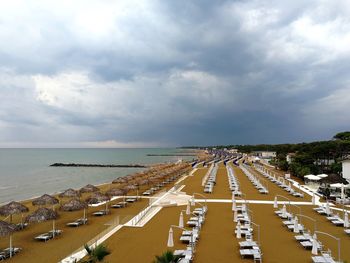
166,257
97,253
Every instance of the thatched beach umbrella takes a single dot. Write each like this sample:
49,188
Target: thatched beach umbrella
45,200
75,205
41,215
89,188
70,193
97,198
7,229
115,192
13,208
120,180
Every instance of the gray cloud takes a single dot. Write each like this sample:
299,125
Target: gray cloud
142,73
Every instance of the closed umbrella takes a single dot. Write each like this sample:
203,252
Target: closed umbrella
342,194
346,219
238,231
275,205
314,250
13,208
181,220
7,229
235,216
296,225
188,209
170,238
234,208
313,199
328,209
284,211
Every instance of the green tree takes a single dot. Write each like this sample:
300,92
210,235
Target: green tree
343,136
167,257
97,253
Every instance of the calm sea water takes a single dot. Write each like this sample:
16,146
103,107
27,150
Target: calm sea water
25,173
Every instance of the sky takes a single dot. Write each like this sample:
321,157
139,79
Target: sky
133,73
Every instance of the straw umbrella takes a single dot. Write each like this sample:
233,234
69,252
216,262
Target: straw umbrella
115,192
45,200
75,205
89,188
275,204
43,214
70,193
13,208
97,198
7,229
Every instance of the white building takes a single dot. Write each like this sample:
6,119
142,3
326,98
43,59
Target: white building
265,154
346,169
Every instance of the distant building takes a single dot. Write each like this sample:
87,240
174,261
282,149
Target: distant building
346,169
289,157
265,154
233,150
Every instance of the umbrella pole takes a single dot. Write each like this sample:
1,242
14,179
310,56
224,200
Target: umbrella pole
10,246
53,227
84,213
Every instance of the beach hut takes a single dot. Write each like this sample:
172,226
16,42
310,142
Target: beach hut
7,229
13,208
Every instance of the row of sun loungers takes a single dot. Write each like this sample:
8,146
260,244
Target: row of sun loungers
160,185
211,181
233,182
281,183
248,248
254,180
191,237
335,219
304,237
9,252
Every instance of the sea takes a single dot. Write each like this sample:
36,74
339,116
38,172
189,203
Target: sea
26,173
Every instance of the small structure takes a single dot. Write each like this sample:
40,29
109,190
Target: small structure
346,169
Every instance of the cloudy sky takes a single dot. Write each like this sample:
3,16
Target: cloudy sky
124,73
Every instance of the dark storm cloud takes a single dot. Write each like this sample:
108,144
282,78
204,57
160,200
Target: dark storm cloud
133,73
